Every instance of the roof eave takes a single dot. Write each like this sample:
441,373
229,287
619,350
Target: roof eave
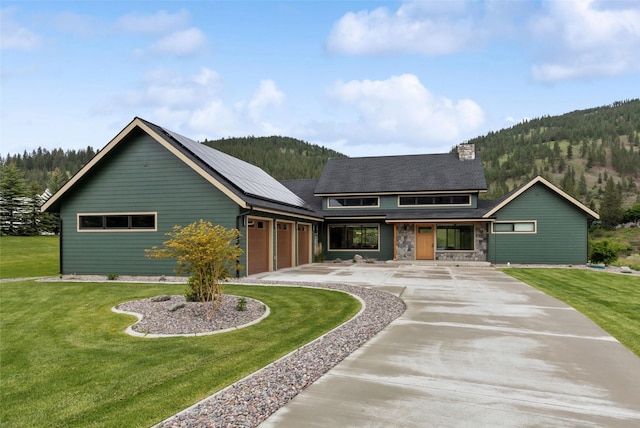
551,186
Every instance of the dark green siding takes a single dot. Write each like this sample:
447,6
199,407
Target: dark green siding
139,175
561,236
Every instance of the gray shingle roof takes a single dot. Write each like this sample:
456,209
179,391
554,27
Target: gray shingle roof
411,173
305,188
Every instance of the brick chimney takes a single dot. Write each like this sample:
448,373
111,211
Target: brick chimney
466,151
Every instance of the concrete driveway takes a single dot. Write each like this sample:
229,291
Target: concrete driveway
475,348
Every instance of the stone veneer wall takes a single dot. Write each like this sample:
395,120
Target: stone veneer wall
405,242
406,245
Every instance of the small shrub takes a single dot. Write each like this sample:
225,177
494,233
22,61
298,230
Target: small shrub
606,251
241,305
112,276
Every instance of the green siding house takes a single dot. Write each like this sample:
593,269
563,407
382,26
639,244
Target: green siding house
148,179
414,207
539,223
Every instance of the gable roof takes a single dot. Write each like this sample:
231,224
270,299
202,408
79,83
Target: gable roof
506,199
246,184
402,174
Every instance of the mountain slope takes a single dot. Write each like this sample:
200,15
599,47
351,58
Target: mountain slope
284,158
577,151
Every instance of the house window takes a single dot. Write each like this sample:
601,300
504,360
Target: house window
353,202
434,200
514,227
117,222
353,237
455,237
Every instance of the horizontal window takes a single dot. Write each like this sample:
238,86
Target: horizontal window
514,227
117,222
455,237
353,237
353,202
434,200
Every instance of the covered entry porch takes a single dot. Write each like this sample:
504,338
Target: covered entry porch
443,240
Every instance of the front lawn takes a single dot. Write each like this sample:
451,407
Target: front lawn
611,300
29,256
66,361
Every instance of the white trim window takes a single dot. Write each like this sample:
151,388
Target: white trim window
118,222
433,200
354,202
530,226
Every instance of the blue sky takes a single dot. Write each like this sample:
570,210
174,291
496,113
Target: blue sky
361,77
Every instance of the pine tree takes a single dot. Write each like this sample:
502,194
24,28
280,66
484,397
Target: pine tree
611,206
582,185
13,194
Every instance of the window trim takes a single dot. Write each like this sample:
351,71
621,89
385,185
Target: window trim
455,251
354,225
329,206
515,232
117,230
432,195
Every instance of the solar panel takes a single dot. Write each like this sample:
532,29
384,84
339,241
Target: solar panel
249,178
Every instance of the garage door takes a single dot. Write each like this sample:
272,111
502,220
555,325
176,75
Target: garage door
284,245
258,242
304,244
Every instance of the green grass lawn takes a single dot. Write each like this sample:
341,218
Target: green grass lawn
66,361
28,256
611,300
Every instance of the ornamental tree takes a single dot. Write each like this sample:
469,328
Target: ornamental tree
207,254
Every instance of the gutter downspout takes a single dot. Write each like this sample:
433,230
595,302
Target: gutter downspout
60,251
238,217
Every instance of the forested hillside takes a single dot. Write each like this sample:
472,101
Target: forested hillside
579,151
281,157
42,169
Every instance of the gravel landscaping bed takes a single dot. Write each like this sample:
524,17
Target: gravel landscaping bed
173,315
251,400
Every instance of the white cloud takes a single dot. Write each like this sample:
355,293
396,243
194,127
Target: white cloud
400,110
195,105
75,23
161,22
15,36
267,95
161,87
416,27
585,38
182,42
565,39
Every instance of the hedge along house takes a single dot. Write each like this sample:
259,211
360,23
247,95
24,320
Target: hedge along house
427,207
148,179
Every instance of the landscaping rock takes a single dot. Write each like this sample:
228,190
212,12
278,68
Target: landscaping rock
161,298
176,307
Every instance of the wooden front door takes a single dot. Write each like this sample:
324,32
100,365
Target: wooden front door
424,241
